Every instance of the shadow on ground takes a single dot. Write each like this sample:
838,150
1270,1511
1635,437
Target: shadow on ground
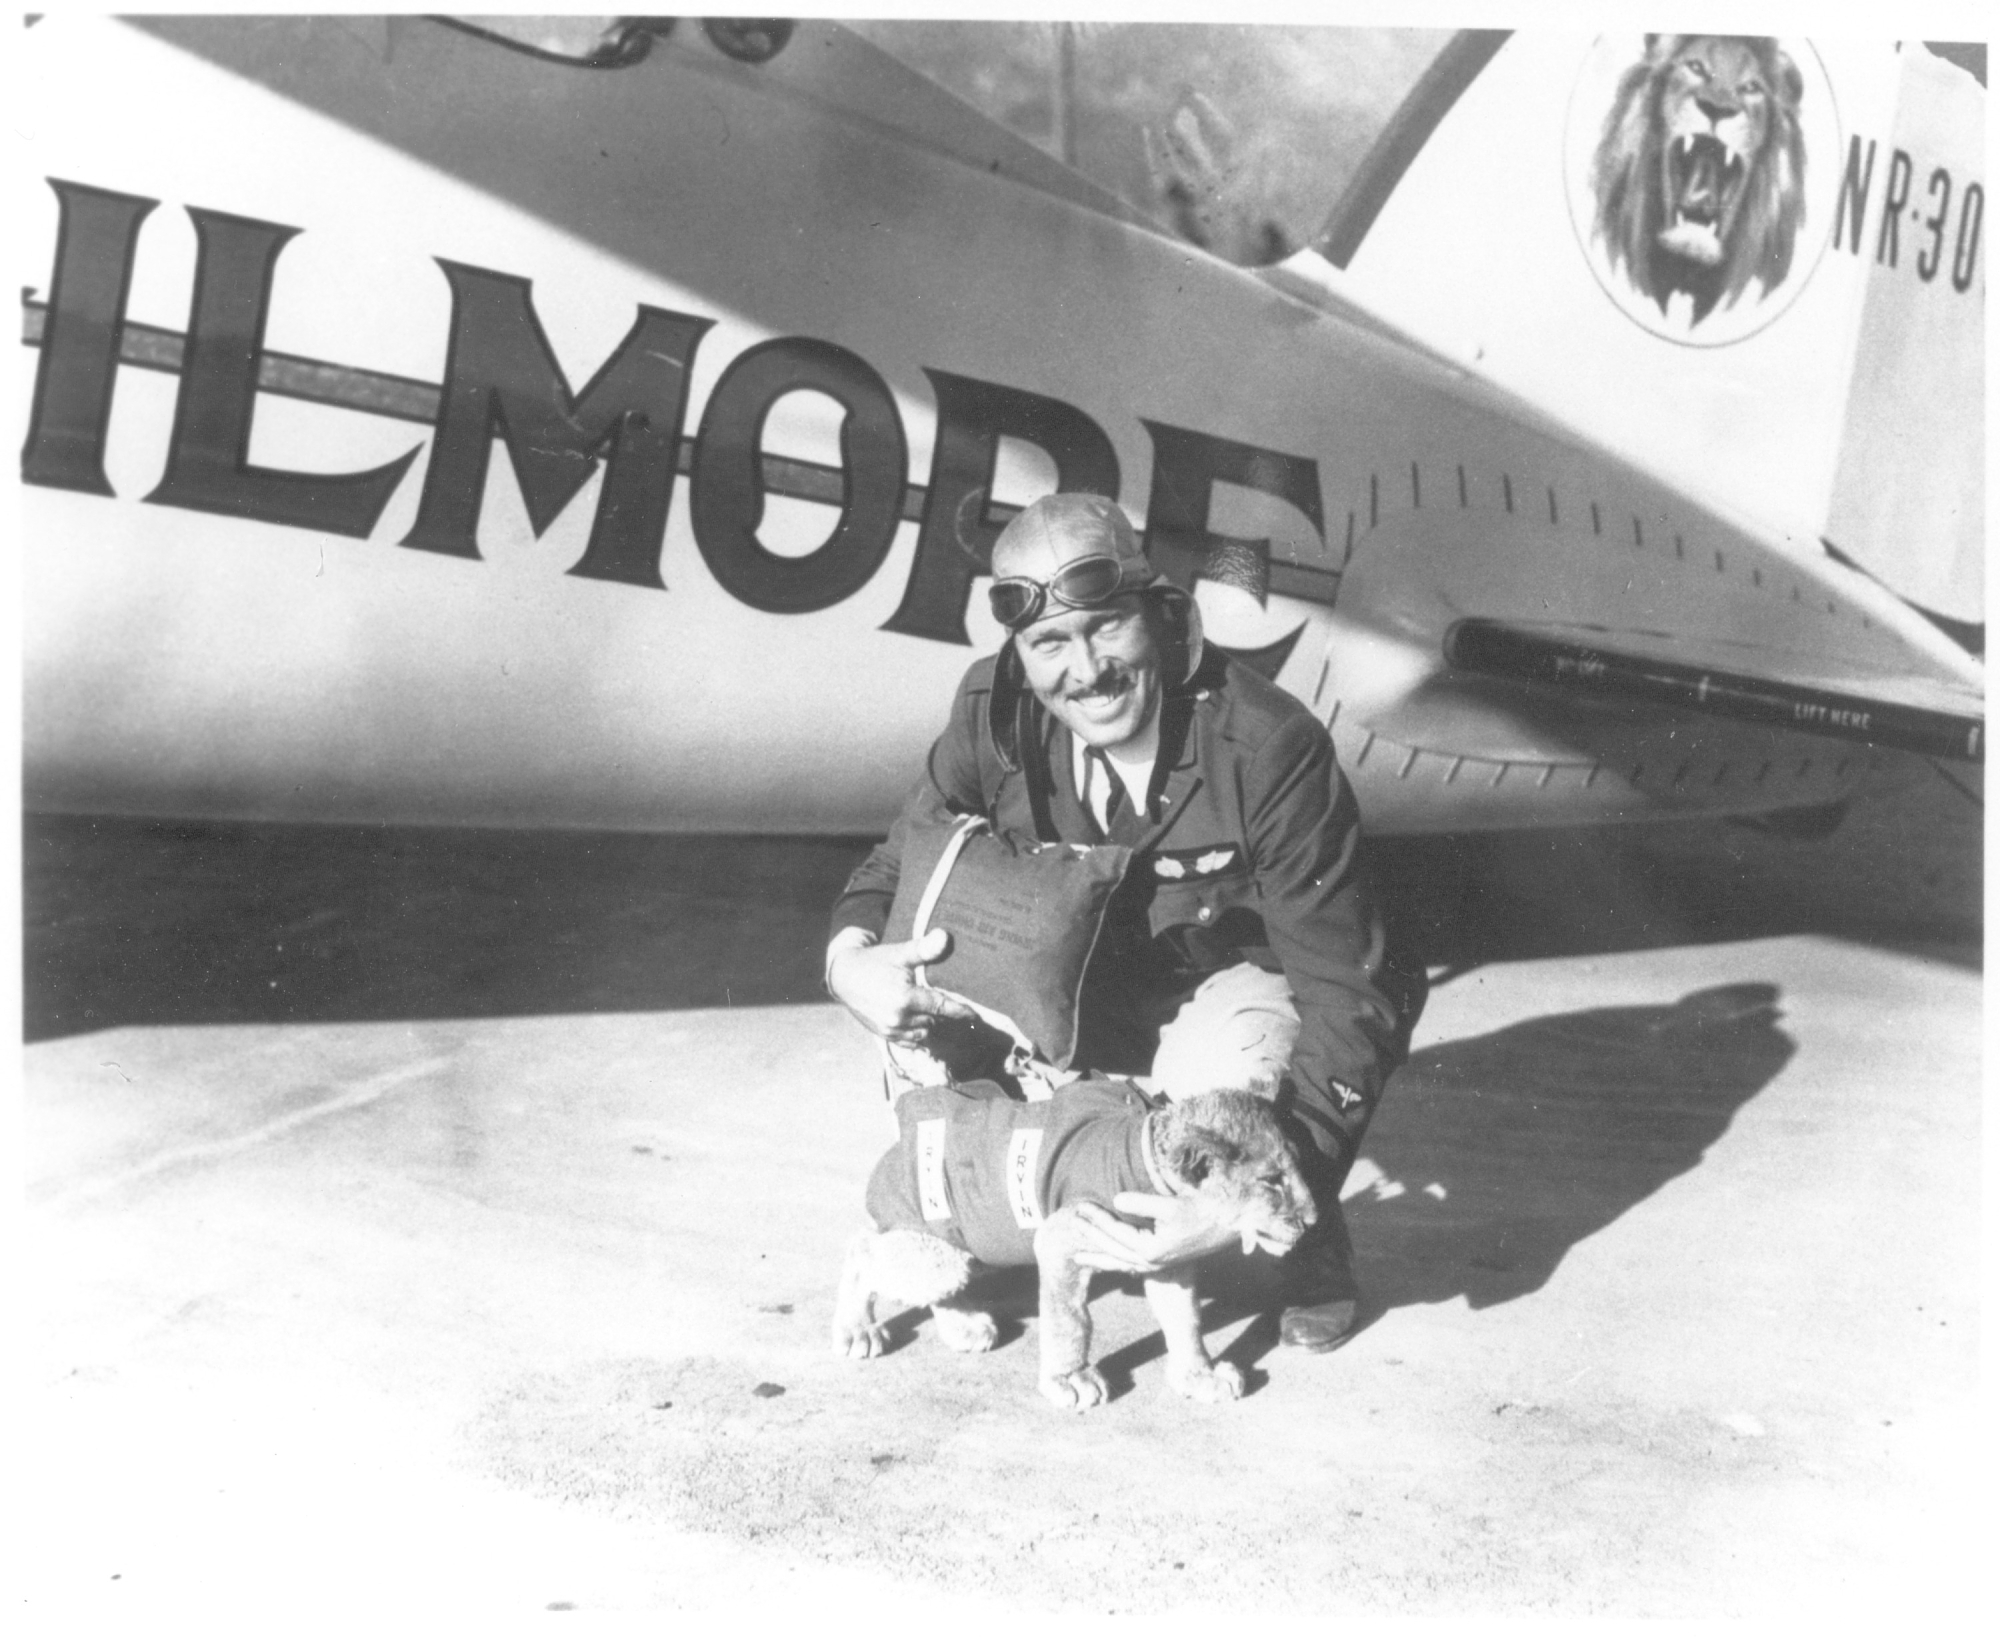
1509,1148
132,921
1903,871
135,921
1516,1146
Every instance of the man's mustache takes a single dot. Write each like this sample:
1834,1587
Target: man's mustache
1112,683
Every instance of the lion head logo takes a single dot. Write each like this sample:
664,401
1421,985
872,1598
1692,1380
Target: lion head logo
1699,173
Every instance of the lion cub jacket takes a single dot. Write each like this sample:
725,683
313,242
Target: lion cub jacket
976,1168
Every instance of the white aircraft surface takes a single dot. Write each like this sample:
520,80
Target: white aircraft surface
426,428
498,437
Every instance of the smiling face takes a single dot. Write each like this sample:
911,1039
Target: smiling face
1096,670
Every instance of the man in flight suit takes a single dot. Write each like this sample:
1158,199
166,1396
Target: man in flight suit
1243,950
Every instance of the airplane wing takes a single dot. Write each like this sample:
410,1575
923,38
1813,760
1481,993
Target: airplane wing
429,428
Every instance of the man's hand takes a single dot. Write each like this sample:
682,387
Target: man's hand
1183,1229
877,983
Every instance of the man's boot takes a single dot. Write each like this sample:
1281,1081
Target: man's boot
1320,1293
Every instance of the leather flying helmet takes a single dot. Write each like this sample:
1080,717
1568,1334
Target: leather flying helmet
1068,551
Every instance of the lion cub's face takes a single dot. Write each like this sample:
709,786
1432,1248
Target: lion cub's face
1716,109
1227,1146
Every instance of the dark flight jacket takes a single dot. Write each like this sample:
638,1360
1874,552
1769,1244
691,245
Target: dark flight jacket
1250,851
977,1168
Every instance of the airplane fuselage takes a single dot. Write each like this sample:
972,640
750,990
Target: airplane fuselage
757,454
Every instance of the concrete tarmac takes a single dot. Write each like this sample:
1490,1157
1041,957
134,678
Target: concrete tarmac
443,1226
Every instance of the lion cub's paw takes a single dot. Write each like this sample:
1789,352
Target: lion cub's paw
966,1329
860,1340
1079,1390
1217,1384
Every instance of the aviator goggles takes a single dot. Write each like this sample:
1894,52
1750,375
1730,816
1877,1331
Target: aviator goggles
1086,582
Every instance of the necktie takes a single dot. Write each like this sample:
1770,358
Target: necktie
1104,778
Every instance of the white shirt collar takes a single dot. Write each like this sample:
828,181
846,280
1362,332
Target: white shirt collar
1132,761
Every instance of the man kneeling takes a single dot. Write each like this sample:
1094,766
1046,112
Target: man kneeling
1243,951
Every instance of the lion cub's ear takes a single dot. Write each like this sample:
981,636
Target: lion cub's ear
1191,1152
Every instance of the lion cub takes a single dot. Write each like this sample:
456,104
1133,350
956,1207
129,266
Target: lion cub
978,1178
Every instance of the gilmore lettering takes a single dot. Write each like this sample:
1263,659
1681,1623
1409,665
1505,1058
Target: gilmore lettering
97,235
501,380
728,501
1186,468
503,384
208,456
956,535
